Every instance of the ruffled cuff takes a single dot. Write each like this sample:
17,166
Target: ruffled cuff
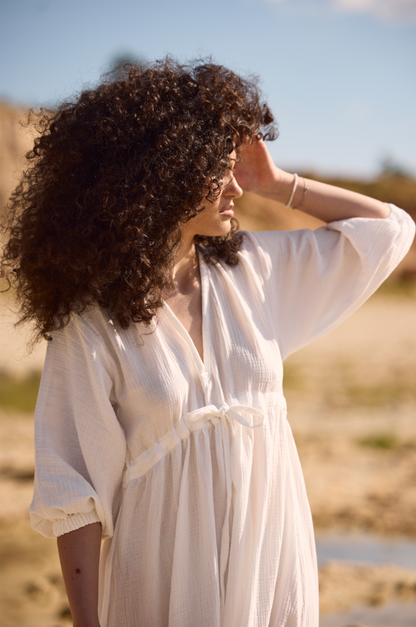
73,522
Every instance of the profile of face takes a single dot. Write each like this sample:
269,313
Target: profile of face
214,218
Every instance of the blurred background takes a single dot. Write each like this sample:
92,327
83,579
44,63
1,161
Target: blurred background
339,76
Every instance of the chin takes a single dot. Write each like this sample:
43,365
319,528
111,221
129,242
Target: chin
220,232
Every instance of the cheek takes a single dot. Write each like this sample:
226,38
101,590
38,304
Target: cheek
209,211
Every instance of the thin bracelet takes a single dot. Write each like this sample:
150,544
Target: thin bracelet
305,189
295,184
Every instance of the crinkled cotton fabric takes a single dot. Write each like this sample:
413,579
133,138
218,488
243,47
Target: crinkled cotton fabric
190,464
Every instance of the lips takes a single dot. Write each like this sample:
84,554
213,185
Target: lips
228,210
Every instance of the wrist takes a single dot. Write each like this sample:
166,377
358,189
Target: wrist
281,188
85,616
86,621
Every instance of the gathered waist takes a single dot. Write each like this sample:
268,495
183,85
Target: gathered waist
245,415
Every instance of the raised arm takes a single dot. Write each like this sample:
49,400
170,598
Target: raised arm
257,173
79,553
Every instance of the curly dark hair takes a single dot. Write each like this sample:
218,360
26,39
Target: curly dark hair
112,175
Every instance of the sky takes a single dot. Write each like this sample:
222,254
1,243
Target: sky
339,75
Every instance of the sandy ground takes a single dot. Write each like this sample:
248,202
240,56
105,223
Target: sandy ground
352,407
15,357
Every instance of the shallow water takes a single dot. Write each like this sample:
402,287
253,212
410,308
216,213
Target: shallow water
390,615
367,548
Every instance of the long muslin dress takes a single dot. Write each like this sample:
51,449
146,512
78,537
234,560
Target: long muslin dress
190,464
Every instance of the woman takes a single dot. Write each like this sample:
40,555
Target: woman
161,424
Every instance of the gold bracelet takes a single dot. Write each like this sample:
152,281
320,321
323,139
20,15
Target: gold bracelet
295,185
305,189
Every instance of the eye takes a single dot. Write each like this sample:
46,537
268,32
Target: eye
226,181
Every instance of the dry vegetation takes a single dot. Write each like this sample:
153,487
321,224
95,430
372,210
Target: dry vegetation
352,408
345,585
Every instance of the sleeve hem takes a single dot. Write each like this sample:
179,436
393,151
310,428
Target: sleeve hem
74,522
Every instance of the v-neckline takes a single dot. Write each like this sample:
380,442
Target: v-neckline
201,362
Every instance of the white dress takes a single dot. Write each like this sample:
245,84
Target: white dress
190,465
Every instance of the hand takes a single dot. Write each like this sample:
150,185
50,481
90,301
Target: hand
256,171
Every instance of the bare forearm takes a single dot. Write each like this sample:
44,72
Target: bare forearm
79,553
326,202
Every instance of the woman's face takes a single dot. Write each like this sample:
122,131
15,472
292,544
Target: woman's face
214,219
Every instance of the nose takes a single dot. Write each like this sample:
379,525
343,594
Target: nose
233,189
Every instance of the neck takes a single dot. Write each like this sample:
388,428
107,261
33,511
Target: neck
185,269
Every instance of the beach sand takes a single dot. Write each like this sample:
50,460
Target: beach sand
352,408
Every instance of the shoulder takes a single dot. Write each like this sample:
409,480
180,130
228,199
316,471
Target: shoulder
264,249
89,334
89,342
260,242
93,322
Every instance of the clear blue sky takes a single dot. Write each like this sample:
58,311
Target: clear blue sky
340,75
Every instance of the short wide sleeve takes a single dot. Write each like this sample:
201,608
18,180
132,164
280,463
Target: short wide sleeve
80,445
313,280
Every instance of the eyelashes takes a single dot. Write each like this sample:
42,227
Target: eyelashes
226,181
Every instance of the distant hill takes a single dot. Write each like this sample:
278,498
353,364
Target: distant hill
15,141
254,213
